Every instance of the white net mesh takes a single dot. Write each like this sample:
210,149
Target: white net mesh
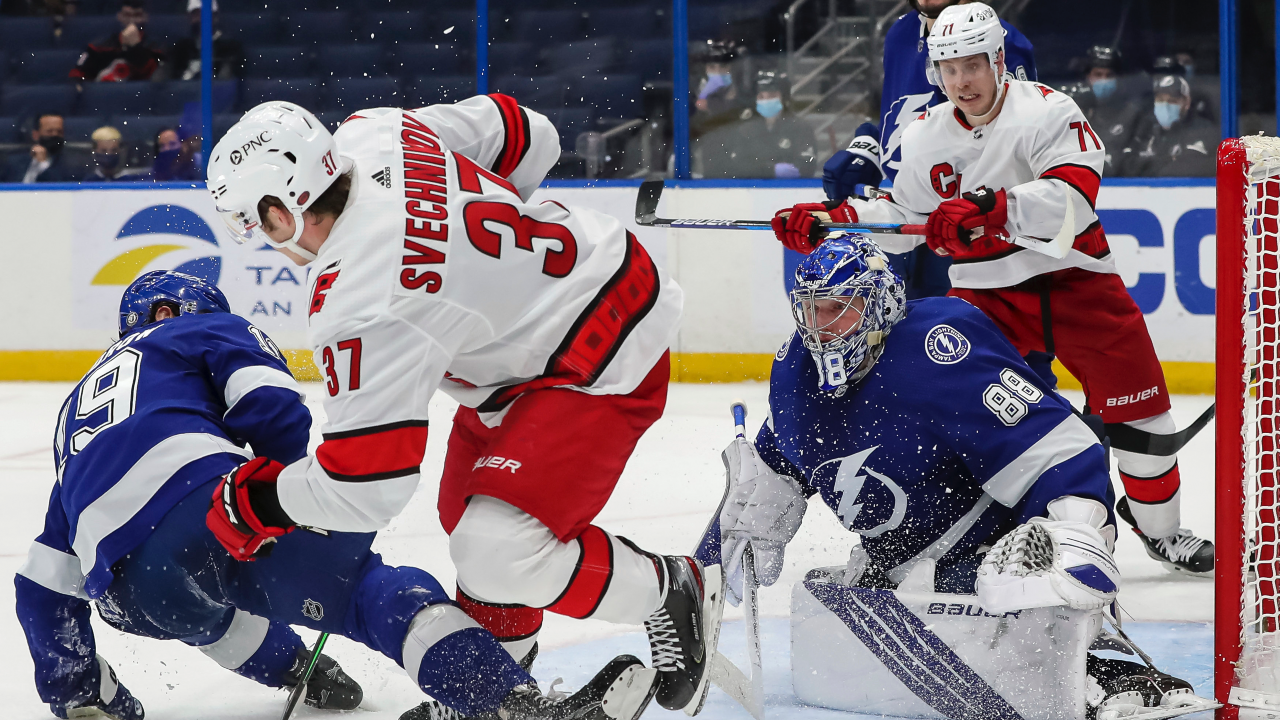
1259,667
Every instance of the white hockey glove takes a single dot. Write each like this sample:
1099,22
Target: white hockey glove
1062,560
762,508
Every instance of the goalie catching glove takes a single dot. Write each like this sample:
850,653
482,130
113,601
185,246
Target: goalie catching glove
1061,560
801,227
763,509
245,514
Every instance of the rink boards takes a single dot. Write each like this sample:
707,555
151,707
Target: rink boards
71,250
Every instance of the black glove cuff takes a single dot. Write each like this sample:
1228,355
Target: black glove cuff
265,502
985,199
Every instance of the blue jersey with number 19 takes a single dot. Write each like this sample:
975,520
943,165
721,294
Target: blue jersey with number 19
162,412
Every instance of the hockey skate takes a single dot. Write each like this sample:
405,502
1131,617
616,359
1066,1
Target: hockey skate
1181,552
1117,689
621,691
684,631
329,688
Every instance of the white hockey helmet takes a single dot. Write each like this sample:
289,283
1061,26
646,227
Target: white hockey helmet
961,31
277,149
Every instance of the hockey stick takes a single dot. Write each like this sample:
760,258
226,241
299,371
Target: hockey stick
301,688
724,674
1131,439
651,192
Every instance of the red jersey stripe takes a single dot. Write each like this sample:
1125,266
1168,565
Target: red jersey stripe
515,142
375,453
1084,179
590,578
599,331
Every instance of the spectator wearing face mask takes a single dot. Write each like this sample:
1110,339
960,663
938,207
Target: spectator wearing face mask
176,158
123,55
1114,114
1182,63
767,142
108,165
1180,143
720,97
44,162
183,62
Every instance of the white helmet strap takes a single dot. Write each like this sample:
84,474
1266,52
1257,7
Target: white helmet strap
292,243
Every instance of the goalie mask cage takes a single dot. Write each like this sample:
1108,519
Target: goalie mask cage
1247,535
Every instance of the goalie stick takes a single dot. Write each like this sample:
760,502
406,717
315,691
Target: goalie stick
651,192
746,691
301,688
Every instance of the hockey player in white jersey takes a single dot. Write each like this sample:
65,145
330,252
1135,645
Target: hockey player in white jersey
550,325
1010,158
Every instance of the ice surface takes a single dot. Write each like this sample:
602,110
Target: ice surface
663,502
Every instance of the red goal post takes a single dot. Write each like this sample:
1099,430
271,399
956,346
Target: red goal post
1247,532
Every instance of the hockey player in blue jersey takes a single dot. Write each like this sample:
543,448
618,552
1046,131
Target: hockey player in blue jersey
922,428
140,445
875,153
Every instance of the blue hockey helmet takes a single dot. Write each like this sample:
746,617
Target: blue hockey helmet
846,300
185,293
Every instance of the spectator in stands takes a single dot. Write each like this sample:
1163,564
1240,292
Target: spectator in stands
183,61
44,162
124,55
176,157
1180,142
1183,64
108,165
768,142
1114,115
721,96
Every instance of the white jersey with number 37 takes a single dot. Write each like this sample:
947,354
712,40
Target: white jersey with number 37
438,274
1040,150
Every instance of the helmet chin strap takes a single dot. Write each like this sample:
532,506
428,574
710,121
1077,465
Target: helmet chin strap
292,243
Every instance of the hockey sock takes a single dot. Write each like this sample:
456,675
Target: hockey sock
514,626
456,662
614,580
255,648
1155,502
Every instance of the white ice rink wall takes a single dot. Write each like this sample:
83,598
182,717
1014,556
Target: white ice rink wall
70,250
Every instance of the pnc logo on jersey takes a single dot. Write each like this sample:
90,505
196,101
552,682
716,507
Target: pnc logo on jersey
945,345
499,463
324,283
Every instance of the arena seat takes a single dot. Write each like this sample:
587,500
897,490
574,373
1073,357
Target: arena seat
410,59
26,33
133,98
540,92
435,89
300,91
45,66
393,26
142,129
351,94
277,61
80,30
342,61
318,27
252,29
650,59
175,94
79,128
549,26
512,58
623,22
163,30
570,122
23,101
599,55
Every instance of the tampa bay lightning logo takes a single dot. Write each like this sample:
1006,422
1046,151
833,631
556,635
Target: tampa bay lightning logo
945,345
871,504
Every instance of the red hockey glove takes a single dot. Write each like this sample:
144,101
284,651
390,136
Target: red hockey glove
952,228
800,228
232,517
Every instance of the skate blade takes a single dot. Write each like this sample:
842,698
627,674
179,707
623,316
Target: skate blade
1183,705
712,613
629,695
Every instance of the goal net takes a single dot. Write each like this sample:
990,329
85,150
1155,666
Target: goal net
1247,613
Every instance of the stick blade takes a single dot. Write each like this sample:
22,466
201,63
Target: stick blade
647,201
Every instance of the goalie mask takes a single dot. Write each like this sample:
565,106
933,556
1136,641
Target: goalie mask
277,149
846,300
964,30
184,294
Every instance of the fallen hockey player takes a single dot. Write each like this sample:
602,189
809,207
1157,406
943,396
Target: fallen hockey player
1009,158
142,445
960,470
